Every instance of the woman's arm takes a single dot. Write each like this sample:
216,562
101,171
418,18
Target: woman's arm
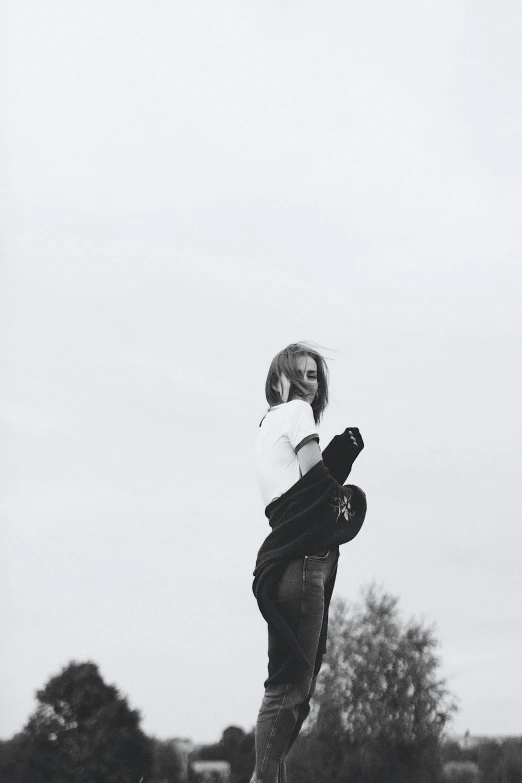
340,454
309,455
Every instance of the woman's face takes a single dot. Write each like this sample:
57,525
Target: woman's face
307,368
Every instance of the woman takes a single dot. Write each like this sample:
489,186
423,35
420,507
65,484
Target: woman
311,513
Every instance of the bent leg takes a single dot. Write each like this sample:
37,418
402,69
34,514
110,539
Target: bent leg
284,707
304,708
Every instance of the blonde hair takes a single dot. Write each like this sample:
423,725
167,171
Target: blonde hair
285,362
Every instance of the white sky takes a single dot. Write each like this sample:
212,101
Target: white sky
190,187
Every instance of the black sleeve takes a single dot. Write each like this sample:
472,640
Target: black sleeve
341,453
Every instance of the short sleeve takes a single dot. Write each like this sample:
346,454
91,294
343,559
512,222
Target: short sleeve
302,427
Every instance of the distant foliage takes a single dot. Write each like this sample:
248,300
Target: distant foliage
167,766
13,759
461,772
236,747
509,768
82,731
497,761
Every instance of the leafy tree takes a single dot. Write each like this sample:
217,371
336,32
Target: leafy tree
489,758
509,767
167,764
243,758
236,747
13,759
83,731
452,751
380,705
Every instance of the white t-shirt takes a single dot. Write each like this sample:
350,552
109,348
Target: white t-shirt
283,431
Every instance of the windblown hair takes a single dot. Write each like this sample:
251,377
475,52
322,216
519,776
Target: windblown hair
286,362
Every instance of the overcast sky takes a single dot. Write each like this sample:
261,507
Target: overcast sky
190,187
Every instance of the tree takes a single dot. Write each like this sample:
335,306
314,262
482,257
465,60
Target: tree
167,763
13,759
380,705
83,731
236,747
489,760
508,768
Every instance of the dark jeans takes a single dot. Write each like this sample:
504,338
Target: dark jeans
285,706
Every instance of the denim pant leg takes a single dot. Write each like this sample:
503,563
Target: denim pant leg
302,714
285,706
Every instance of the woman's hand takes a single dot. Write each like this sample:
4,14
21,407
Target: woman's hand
356,439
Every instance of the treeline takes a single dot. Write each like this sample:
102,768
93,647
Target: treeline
490,761
235,746
378,716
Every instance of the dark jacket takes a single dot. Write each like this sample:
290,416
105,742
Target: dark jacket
316,513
